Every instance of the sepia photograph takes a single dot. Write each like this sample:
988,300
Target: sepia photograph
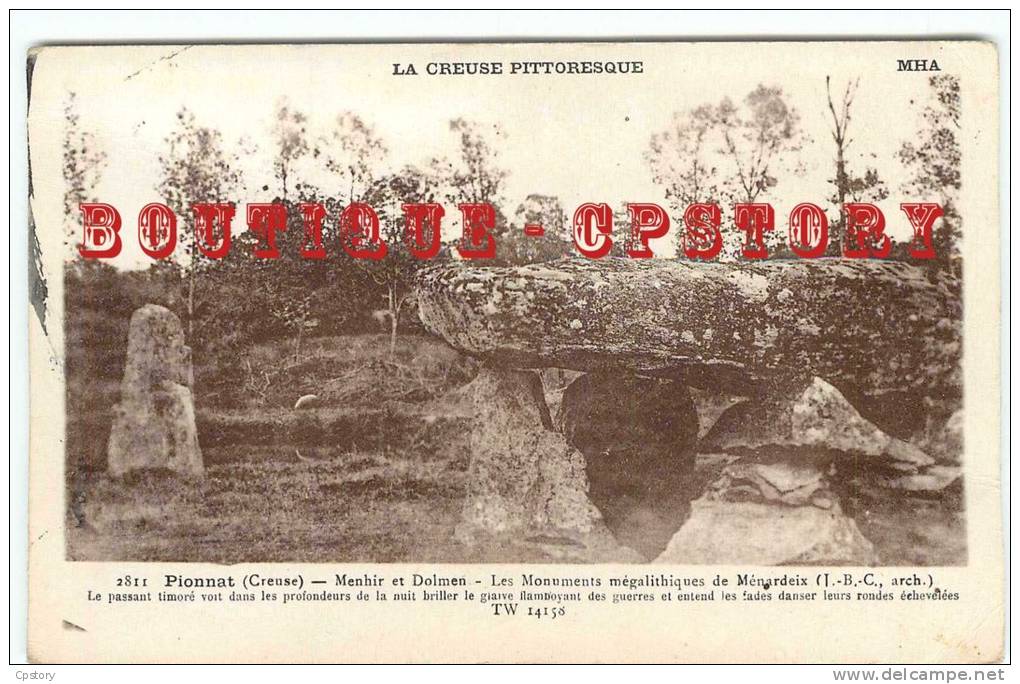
539,404
416,347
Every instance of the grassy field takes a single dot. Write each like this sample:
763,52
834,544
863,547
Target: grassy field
380,459
375,473
347,506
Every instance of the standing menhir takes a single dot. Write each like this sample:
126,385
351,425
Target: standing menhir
154,424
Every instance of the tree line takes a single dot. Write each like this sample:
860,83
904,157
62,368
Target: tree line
717,152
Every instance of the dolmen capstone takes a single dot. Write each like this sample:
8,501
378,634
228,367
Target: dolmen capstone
818,347
154,423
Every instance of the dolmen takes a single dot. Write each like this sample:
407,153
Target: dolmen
838,361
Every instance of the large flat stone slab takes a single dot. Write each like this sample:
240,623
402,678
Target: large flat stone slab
875,326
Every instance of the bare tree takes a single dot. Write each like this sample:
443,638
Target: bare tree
395,272
353,153
759,138
195,168
290,134
476,175
292,311
866,188
840,126
725,153
684,159
83,165
681,159
933,161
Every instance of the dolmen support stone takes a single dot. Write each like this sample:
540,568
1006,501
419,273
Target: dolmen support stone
154,423
775,503
524,479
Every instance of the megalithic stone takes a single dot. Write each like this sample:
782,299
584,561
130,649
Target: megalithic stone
754,533
525,483
816,419
523,476
878,327
154,423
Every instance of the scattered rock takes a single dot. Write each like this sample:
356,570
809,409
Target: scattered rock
154,423
945,442
817,420
749,533
793,484
306,401
949,447
933,479
775,504
878,326
761,512
638,437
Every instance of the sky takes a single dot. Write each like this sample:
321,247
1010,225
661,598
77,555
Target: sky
579,138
